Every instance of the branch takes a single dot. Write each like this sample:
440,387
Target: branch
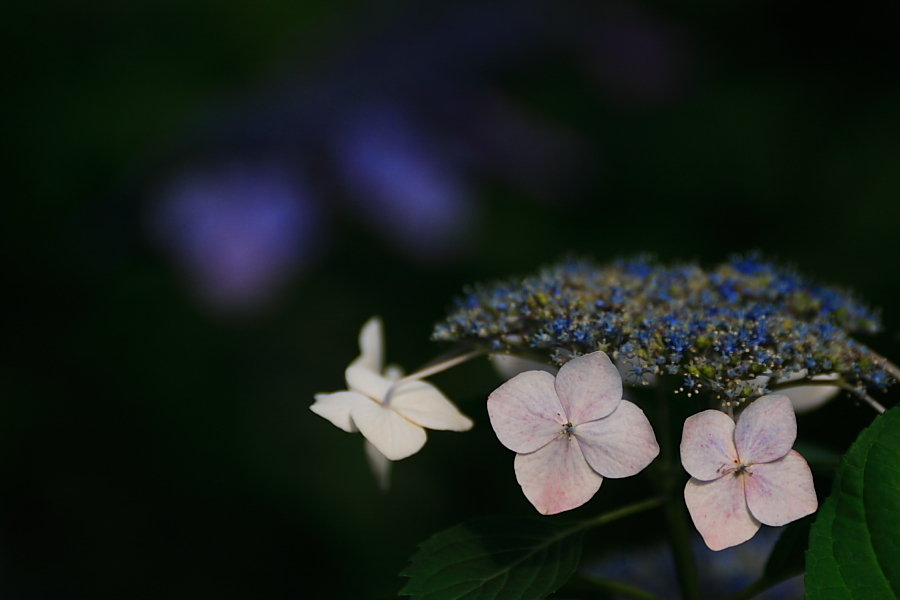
619,588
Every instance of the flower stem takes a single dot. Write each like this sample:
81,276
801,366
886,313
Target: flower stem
679,539
890,367
621,512
840,383
674,509
619,588
431,370
759,586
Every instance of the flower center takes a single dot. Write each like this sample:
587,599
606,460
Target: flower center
569,429
742,469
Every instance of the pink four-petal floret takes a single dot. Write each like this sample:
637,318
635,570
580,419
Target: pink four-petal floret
745,474
570,431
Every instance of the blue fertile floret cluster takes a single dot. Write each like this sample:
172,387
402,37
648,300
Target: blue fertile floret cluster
730,330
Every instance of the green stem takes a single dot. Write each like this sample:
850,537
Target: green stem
759,586
431,370
619,588
680,540
841,383
675,514
620,512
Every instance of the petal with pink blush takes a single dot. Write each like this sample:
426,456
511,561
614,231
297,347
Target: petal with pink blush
766,430
525,411
719,511
619,445
707,445
589,387
781,491
556,478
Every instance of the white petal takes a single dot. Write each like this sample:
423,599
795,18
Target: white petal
806,398
707,445
719,511
425,405
389,432
556,478
619,445
589,387
367,383
766,430
336,408
508,366
525,411
393,372
380,466
371,346
781,491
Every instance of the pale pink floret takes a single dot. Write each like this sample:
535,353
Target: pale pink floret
745,474
570,431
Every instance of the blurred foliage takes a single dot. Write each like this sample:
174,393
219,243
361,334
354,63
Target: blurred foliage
149,449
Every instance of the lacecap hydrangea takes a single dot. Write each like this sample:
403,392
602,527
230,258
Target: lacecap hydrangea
731,331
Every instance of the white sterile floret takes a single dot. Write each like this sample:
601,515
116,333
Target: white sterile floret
570,431
508,365
394,425
807,394
745,474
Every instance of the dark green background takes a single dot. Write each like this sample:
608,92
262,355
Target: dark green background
149,450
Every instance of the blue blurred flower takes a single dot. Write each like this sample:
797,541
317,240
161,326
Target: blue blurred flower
237,232
398,182
392,130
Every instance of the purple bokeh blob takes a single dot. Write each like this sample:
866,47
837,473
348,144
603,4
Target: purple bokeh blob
400,184
237,232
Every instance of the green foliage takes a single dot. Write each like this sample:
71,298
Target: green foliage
854,550
505,558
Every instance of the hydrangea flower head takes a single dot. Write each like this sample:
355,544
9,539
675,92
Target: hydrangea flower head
745,474
570,431
732,331
394,423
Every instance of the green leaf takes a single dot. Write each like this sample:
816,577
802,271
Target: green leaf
505,558
854,550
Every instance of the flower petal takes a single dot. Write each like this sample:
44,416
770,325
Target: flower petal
508,366
389,432
425,405
556,477
380,466
781,491
393,372
707,445
805,398
525,411
589,387
336,408
766,430
366,382
619,445
371,346
719,511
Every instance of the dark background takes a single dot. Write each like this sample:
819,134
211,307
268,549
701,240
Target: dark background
155,437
